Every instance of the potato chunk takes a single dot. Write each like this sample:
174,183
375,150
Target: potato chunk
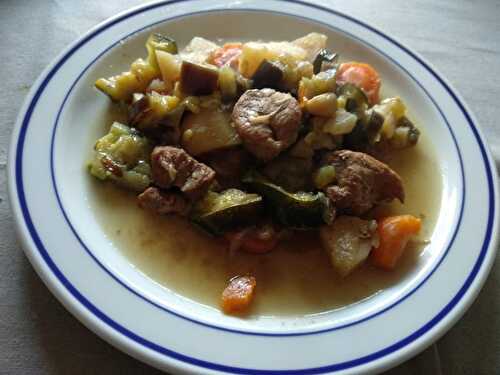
348,241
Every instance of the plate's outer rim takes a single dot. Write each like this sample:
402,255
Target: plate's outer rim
119,341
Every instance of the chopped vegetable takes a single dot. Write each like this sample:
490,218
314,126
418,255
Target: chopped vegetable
355,99
198,51
170,66
343,123
232,208
253,53
227,55
121,156
318,84
299,210
406,134
208,130
366,131
228,84
147,111
312,43
197,79
269,74
121,87
156,43
324,176
324,60
348,241
394,233
322,105
363,76
238,295
392,110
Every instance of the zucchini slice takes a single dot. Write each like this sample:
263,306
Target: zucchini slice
299,210
219,212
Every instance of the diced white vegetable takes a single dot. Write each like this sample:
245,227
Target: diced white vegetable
170,66
343,123
392,109
322,105
348,242
253,53
198,50
207,131
311,43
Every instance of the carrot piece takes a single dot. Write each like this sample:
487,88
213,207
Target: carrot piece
238,294
227,55
394,233
363,76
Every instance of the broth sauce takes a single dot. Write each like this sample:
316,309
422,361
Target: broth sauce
294,279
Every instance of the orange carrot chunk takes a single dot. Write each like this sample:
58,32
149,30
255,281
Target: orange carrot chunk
238,294
227,55
361,75
394,233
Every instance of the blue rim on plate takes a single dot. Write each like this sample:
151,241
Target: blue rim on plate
214,366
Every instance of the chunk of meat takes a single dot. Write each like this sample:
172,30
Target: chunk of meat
361,182
172,166
238,294
163,202
229,165
267,121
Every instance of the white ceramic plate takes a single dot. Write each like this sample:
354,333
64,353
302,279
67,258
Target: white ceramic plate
69,250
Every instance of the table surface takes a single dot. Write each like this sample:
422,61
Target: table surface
38,336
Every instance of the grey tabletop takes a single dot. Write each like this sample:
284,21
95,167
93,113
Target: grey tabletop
38,336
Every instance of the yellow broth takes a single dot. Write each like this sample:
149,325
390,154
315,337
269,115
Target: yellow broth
294,279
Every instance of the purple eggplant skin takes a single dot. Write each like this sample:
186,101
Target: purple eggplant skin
198,79
269,74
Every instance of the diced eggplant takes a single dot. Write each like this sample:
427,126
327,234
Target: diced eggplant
197,79
295,210
221,212
121,156
324,60
365,132
348,242
158,116
147,111
208,130
269,74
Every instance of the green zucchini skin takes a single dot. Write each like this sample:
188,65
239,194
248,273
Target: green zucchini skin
294,210
218,213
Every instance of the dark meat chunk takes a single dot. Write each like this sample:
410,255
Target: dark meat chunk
267,121
229,165
163,202
172,166
361,182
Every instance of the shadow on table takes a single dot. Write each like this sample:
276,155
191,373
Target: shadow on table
65,345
